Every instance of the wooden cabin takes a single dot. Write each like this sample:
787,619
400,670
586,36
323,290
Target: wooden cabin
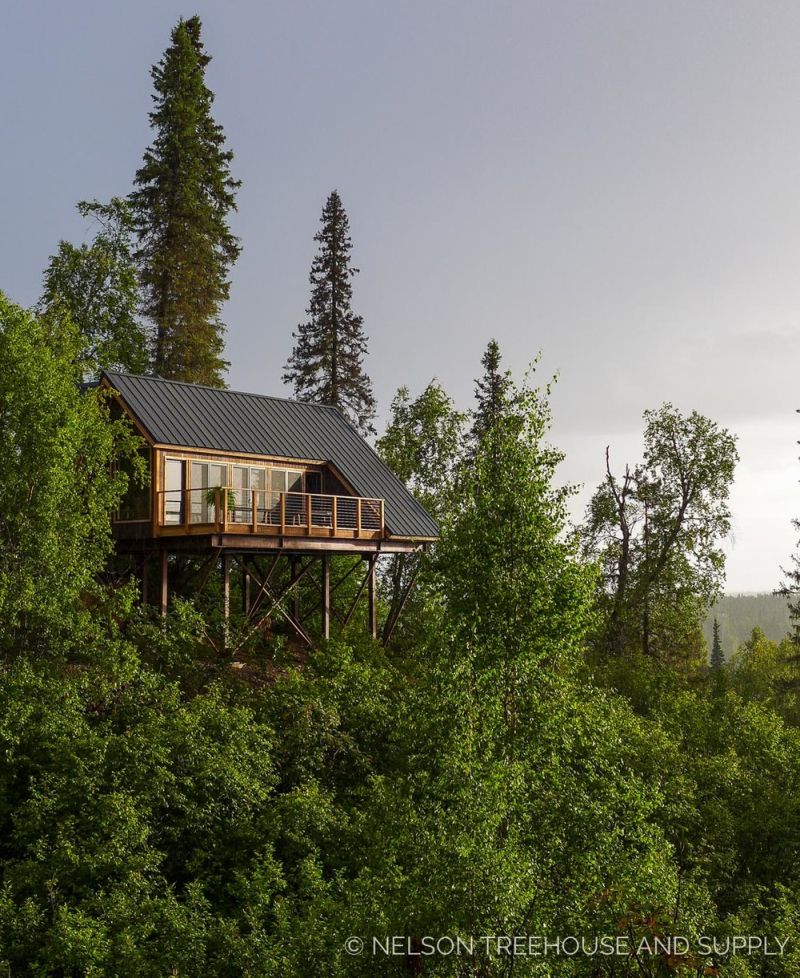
233,474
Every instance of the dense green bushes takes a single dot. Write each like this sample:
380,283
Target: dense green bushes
162,813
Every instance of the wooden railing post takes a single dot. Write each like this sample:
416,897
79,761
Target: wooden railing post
358,516
225,491
283,513
382,518
254,503
334,516
308,512
186,509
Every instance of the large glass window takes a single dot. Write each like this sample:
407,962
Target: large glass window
207,477
286,480
203,478
244,479
174,484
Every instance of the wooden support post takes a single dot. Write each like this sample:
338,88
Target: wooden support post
295,591
145,594
326,596
246,579
309,513
372,597
226,597
163,591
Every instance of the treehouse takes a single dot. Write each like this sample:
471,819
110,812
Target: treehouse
238,477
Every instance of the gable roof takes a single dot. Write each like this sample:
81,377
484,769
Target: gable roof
192,416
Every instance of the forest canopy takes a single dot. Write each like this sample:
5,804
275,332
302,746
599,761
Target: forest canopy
498,768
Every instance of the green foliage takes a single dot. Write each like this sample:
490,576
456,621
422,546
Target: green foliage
515,580
164,813
725,771
58,488
423,446
327,361
184,194
524,768
656,532
95,288
137,838
768,672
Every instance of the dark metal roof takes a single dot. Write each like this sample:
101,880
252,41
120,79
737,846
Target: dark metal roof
192,416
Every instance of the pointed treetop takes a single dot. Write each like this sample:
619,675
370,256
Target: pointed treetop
327,361
493,393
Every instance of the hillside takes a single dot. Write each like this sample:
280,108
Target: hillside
739,614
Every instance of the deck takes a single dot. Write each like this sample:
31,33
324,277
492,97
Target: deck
259,511
259,519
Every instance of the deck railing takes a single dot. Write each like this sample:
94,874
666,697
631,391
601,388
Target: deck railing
261,510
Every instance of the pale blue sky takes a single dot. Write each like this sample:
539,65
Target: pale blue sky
617,184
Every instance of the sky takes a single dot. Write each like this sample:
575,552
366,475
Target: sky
616,185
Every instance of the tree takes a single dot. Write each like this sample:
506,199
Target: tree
184,194
492,393
96,287
327,361
717,655
656,532
766,672
56,452
506,720
422,446
790,589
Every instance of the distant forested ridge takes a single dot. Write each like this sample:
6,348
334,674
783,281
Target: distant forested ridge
739,614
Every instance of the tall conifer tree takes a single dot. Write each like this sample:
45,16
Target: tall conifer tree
184,194
327,362
717,655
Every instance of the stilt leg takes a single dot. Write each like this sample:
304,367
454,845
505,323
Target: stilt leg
163,597
145,593
326,596
226,596
372,597
246,579
295,591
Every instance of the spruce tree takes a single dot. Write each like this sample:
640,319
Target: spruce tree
717,655
327,362
184,194
494,396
